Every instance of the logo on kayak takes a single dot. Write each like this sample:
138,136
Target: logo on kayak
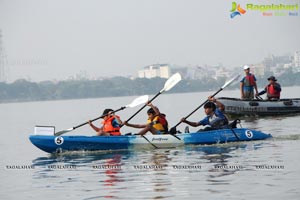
159,139
59,140
249,134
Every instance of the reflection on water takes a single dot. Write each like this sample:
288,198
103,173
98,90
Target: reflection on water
152,174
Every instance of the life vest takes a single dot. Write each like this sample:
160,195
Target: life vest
249,80
157,123
109,128
162,119
272,92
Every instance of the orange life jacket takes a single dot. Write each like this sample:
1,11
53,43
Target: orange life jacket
109,128
272,92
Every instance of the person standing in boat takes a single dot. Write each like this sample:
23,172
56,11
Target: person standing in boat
273,89
215,118
111,124
248,84
156,123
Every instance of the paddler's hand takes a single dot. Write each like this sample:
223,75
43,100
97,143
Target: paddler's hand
211,99
183,120
125,123
149,104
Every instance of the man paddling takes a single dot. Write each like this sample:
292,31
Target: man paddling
111,124
273,89
215,118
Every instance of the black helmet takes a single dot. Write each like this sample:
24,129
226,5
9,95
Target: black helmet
210,105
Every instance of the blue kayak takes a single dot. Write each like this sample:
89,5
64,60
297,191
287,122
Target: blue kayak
57,144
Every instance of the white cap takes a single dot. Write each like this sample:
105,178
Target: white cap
246,67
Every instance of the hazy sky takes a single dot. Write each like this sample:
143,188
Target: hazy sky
54,39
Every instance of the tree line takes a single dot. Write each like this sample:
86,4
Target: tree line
23,90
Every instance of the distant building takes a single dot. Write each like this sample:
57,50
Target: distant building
156,70
297,59
259,69
222,72
197,72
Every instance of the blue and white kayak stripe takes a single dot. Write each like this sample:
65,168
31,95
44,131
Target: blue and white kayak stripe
52,144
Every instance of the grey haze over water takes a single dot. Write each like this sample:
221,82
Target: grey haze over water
56,39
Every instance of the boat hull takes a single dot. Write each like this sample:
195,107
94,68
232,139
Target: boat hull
238,107
54,144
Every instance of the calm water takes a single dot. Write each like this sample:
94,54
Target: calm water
267,169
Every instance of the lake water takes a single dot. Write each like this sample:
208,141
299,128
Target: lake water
267,169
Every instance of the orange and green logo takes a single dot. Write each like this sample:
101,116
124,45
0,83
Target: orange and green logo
236,9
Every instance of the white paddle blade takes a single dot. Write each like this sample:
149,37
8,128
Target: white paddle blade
138,101
171,82
230,81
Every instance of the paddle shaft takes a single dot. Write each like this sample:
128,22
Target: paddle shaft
122,108
143,107
198,108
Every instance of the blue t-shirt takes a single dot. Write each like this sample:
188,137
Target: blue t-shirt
115,123
248,88
208,120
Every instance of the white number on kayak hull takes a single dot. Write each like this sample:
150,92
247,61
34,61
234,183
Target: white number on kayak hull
249,134
59,140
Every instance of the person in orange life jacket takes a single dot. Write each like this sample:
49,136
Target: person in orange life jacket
215,118
273,89
248,84
111,124
155,123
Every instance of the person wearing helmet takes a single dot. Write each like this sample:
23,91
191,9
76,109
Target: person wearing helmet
156,123
215,118
273,89
248,84
111,124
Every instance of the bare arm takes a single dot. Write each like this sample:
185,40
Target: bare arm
194,124
241,89
135,125
94,127
219,104
154,108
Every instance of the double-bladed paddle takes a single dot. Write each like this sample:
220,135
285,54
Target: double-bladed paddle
170,83
138,101
173,129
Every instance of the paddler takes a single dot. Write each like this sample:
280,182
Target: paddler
273,89
215,118
111,124
156,123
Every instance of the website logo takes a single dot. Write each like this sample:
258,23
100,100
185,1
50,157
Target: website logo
236,9
270,9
